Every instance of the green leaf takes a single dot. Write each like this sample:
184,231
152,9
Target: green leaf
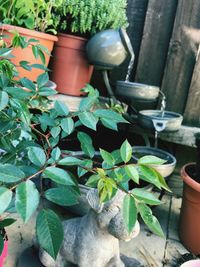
87,102
151,160
59,176
17,92
28,84
10,173
145,196
6,222
37,156
132,172
126,151
61,108
42,79
55,131
35,51
5,198
162,181
49,232
93,181
150,220
110,115
70,161
61,196
109,124
46,91
1,244
27,199
56,153
87,163
86,144
3,100
88,119
25,64
67,125
149,175
107,157
129,212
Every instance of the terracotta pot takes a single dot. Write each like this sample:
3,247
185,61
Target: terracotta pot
189,230
26,54
4,253
70,68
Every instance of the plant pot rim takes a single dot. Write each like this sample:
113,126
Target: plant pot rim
33,33
187,179
66,35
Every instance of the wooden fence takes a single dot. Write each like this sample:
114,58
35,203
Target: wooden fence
166,48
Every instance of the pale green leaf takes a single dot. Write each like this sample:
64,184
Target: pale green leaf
61,196
5,198
59,176
10,173
129,212
126,151
88,119
37,156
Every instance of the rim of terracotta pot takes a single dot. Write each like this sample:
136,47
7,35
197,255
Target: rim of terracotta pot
187,179
72,36
33,33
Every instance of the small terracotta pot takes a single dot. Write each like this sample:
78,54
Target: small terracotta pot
26,54
191,263
4,253
70,68
189,225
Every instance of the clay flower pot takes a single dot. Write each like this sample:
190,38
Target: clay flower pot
26,54
4,253
70,68
189,226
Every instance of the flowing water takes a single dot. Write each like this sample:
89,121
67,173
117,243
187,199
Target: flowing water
130,67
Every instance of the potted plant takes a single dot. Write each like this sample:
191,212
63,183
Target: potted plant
34,21
30,134
80,19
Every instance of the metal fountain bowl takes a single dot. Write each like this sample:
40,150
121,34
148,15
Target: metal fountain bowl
131,90
153,119
166,169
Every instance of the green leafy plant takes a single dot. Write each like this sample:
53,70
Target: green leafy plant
91,16
31,130
31,14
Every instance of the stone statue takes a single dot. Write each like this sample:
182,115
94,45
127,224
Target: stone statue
93,240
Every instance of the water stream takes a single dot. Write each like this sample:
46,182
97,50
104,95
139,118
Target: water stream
130,67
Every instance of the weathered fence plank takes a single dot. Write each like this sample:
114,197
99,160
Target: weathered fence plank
136,12
155,42
192,111
181,57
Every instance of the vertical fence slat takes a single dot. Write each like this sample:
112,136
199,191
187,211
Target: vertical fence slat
155,42
181,58
192,111
136,12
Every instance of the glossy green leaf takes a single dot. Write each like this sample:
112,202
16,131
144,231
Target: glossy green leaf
49,232
56,153
150,220
42,79
132,172
55,131
126,151
3,100
27,199
151,160
59,176
69,161
61,196
86,144
93,181
145,196
61,108
149,175
67,125
110,115
107,157
10,173
129,212
88,119
28,84
5,198
37,156
162,181
6,222
86,164
110,124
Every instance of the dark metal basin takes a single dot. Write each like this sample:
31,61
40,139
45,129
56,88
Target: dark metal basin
166,169
151,119
131,91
